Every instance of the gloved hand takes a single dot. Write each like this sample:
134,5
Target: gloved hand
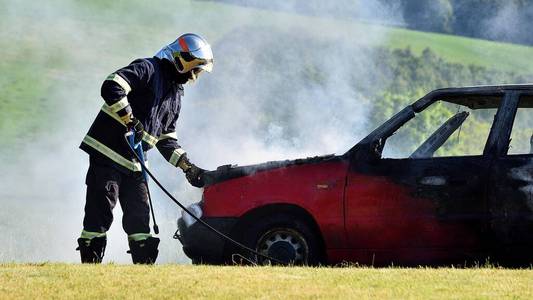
192,172
195,176
138,129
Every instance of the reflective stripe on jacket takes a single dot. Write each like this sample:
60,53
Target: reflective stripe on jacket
146,87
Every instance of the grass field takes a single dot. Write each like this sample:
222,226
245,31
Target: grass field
32,281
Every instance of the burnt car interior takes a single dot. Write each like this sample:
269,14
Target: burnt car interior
431,140
521,140
478,104
481,105
440,136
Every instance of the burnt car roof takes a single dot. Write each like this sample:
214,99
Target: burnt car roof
476,97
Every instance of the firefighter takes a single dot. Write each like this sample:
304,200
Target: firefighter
143,97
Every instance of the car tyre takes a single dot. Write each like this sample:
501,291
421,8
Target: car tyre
283,237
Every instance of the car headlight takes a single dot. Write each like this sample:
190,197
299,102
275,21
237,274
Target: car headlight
196,210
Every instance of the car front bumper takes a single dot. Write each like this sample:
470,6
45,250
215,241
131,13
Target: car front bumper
200,243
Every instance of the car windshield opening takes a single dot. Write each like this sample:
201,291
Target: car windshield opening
442,129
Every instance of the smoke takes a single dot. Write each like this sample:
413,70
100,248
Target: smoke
284,86
382,12
278,101
508,21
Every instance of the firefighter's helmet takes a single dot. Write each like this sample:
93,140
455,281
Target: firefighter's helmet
190,52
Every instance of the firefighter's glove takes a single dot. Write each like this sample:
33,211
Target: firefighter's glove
193,174
138,129
127,118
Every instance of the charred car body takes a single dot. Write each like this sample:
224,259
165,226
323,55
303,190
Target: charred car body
361,207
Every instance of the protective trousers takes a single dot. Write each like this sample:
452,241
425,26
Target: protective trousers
105,185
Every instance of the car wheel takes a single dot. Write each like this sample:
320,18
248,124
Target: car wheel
284,238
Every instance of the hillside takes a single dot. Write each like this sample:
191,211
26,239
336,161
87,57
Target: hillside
498,20
41,63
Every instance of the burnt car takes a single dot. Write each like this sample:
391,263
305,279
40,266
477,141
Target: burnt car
425,207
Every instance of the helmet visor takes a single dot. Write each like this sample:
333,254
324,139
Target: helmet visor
204,56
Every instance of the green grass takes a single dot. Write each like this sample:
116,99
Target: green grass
192,282
468,51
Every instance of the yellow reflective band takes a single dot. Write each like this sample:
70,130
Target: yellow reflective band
175,157
138,236
150,140
121,81
107,110
91,235
128,164
119,105
170,135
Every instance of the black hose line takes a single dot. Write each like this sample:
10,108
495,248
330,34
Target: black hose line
224,236
131,140
156,228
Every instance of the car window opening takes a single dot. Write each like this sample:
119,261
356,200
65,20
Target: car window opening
428,134
521,140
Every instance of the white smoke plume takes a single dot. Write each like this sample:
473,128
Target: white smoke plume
381,12
507,24
283,87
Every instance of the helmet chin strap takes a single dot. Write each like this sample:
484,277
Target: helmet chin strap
194,74
193,77
182,78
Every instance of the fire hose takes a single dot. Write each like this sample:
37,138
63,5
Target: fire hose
136,149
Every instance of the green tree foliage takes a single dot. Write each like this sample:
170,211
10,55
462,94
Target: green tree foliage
436,15
501,20
412,77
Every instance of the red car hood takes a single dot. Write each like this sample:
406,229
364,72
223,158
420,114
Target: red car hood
227,172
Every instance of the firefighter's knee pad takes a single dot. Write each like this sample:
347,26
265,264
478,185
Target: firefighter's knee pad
92,250
144,251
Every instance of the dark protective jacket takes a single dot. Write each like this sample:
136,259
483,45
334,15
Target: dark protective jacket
148,88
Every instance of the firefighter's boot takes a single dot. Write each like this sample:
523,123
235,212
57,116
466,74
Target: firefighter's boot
92,250
144,251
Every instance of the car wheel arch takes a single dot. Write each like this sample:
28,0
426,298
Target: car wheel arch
260,212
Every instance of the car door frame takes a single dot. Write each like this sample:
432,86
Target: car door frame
368,152
512,229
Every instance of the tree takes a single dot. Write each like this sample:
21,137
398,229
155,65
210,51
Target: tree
430,15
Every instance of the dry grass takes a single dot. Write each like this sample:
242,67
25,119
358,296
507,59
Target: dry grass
192,282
